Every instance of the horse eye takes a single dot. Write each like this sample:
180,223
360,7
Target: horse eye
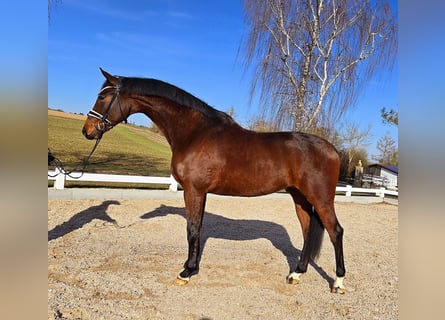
101,97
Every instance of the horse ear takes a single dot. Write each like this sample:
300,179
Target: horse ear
109,77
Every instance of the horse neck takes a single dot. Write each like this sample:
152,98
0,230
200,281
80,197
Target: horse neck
179,124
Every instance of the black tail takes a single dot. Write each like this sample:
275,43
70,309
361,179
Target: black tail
316,231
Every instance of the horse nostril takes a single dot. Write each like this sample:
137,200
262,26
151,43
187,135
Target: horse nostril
85,133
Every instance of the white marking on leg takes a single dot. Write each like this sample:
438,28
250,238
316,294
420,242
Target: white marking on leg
294,277
338,285
185,279
181,281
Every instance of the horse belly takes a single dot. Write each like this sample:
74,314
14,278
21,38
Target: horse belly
250,181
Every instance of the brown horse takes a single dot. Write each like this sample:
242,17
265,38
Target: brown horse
211,153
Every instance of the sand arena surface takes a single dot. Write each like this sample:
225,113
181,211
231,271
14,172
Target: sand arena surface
118,259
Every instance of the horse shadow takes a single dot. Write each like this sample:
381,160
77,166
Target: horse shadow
219,227
82,218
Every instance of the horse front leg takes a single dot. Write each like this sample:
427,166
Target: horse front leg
194,206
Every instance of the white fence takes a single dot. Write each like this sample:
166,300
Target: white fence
59,182
381,192
60,178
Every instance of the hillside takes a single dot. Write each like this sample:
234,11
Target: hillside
126,149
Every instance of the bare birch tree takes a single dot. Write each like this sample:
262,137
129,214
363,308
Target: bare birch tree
311,58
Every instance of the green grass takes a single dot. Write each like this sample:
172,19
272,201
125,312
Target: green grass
125,149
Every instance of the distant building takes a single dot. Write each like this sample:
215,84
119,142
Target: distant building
385,175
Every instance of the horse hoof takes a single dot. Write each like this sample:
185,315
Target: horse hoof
181,281
293,278
338,287
338,290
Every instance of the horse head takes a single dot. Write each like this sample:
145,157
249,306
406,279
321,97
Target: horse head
107,110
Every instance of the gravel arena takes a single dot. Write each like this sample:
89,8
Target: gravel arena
118,259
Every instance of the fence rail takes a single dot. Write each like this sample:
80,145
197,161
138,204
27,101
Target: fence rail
59,182
59,179
381,192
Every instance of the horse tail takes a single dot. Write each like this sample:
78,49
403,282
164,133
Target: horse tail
315,236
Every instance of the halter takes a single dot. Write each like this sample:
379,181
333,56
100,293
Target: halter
104,122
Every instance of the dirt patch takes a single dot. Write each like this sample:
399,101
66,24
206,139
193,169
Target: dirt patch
119,259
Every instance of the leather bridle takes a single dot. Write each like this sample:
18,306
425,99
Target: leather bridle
104,123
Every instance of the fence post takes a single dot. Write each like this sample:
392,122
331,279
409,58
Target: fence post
348,190
381,194
59,183
173,185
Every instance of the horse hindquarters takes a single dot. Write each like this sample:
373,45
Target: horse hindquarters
314,202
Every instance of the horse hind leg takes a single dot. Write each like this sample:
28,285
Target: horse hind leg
335,231
313,220
312,230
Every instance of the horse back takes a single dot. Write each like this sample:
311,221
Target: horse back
247,163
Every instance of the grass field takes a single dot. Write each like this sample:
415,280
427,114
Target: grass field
126,149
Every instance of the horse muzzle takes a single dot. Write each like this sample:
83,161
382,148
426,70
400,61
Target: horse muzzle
92,130
90,135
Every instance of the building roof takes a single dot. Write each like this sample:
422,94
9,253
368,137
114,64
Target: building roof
386,166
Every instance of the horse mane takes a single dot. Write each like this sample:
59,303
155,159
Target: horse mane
154,87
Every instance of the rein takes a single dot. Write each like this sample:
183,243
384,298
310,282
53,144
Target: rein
61,168
103,124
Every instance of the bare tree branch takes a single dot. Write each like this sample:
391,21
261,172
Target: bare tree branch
353,139
312,58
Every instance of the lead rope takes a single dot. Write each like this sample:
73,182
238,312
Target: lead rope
61,168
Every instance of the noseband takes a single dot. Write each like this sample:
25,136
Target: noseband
104,123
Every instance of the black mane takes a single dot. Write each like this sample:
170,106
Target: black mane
154,87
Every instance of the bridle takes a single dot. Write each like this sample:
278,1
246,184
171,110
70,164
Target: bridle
101,126
104,123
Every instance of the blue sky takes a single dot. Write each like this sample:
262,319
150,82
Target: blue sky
191,44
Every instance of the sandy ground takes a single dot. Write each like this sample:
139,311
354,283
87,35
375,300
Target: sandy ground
118,260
